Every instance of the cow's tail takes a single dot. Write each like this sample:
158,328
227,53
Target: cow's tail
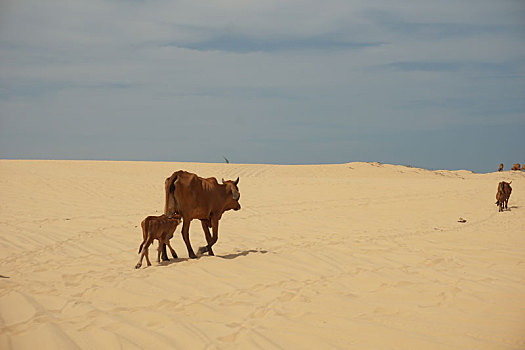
172,184
170,194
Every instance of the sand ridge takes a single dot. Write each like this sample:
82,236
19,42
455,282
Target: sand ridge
345,256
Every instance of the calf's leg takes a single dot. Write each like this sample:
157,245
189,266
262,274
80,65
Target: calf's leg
164,254
159,249
144,253
173,253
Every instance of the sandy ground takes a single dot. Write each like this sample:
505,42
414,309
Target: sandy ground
349,256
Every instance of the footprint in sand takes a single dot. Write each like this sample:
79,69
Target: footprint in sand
286,296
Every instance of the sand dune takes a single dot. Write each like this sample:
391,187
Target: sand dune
349,256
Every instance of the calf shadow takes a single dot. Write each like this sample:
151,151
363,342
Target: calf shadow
175,261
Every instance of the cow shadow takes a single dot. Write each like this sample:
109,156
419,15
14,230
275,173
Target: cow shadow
226,256
243,253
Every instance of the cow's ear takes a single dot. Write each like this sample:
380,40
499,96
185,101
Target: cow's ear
237,181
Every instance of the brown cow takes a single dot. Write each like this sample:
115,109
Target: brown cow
503,194
160,228
516,166
194,197
500,167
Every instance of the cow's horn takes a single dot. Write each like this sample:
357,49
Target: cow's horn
237,181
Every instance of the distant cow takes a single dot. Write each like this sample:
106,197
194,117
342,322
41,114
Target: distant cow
516,167
500,167
160,228
194,197
503,194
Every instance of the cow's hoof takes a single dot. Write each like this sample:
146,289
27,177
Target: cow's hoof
202,250
138,266
193,256
175,256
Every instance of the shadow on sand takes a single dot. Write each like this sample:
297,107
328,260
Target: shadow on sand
227,256
244,253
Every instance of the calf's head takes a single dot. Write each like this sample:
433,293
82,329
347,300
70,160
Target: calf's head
233,194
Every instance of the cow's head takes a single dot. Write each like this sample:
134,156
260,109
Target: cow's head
169,206
233,194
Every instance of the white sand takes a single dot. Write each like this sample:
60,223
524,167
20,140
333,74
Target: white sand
350,256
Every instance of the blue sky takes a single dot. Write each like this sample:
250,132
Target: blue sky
434,84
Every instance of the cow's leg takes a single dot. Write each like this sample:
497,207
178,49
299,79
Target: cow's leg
215,237
205,225
186,238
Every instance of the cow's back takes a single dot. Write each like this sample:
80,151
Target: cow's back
186,191
194,195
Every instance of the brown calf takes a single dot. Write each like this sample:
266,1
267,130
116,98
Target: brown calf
503,194
160,228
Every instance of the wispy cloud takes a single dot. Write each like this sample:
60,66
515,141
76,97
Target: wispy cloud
506,68
240,43
436,30
42,88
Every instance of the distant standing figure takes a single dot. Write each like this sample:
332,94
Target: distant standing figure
500,167
503,194
160,228
516,167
